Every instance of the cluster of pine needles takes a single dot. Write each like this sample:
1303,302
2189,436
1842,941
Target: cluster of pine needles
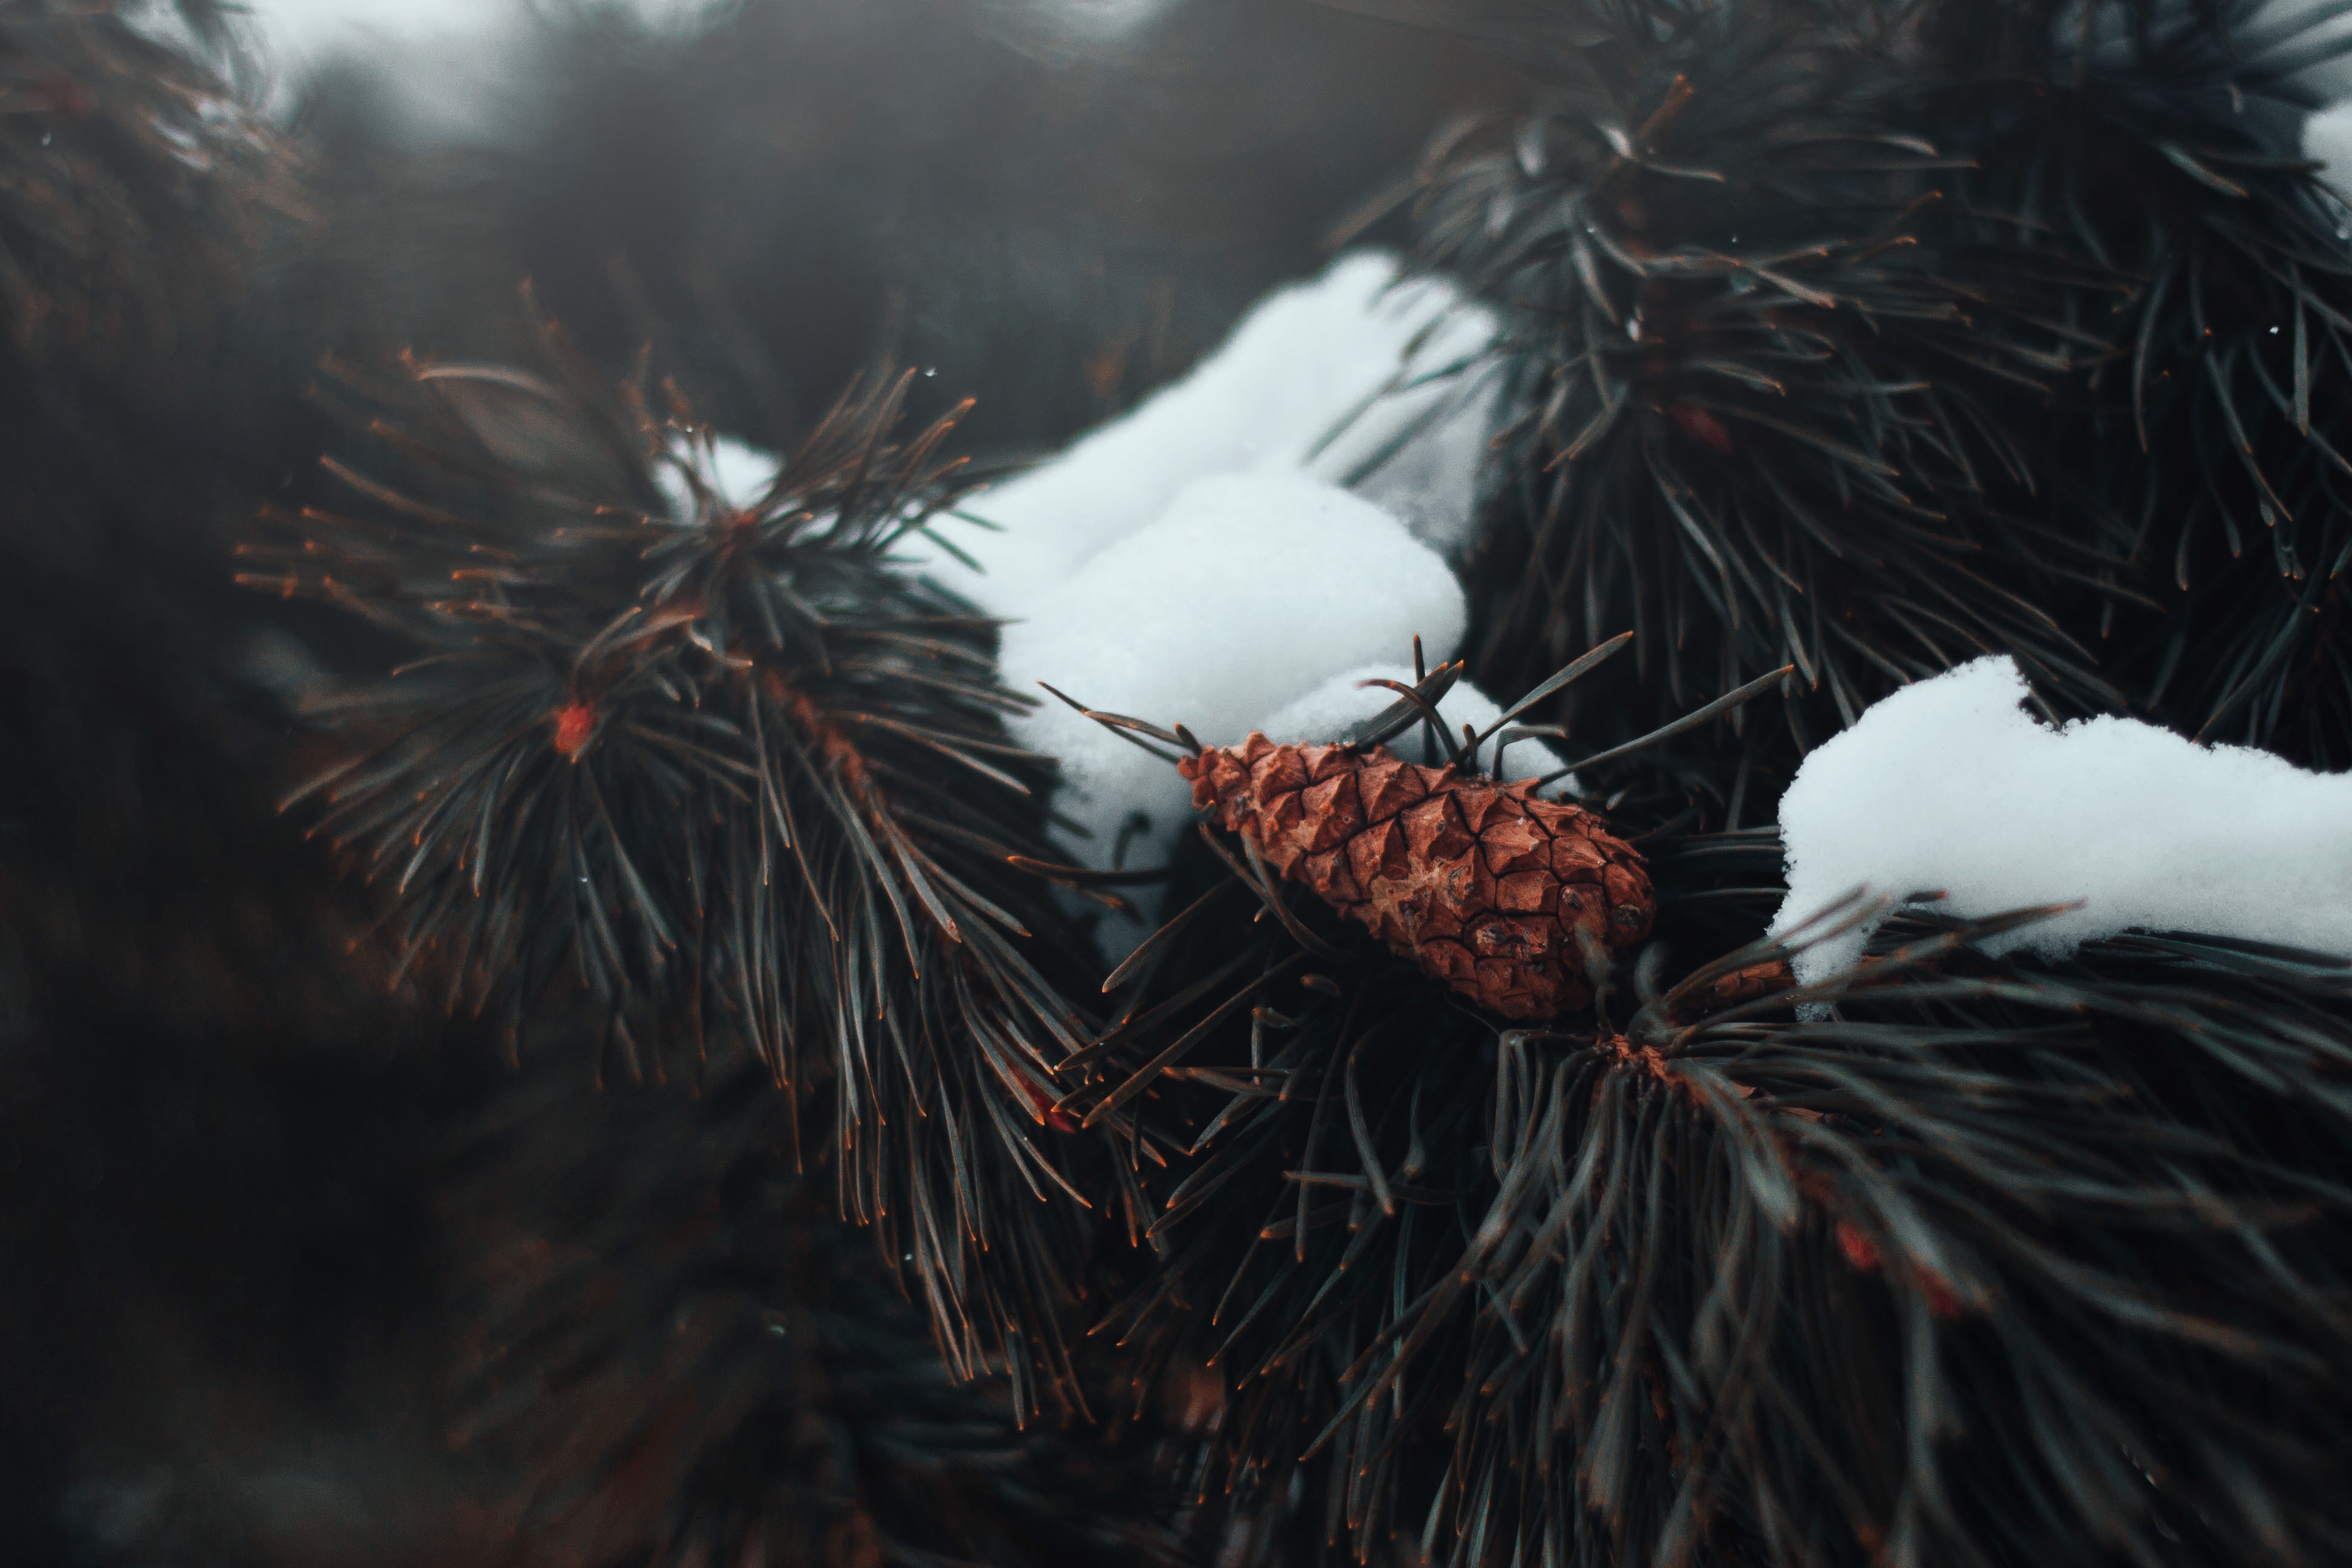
1876,338
676,764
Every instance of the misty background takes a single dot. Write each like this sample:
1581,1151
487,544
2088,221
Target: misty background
1051,206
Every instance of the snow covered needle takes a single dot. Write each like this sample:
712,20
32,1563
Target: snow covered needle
1506,897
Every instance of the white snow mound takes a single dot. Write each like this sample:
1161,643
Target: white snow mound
1951,786
2327,140
1331,380
1246,594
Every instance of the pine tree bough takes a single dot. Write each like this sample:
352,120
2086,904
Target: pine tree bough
1506,897
703,773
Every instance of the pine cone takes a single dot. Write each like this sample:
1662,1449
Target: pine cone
1481,884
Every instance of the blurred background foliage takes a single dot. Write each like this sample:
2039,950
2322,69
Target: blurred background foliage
1044,216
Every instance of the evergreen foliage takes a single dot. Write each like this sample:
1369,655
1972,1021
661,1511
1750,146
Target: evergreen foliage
1943,1261
1880,339
695,766
682,1355
1759,412
2209,423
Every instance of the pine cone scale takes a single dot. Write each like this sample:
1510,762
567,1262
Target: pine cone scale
1527,893
1338,812
1481,884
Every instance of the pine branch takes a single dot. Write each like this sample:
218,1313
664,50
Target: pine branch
704,769
1949,1272
685,1358
2219,426
1764,405
1947,1258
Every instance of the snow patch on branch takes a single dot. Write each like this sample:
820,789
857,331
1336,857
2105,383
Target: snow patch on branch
1245,595
1351,379
1242,547
1950,786
2328,141
1234,555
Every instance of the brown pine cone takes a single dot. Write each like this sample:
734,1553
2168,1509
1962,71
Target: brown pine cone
1481,884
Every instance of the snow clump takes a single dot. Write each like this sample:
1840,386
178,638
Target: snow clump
1243,539
1235,555
1950,785
2328,141
1344,380
1245,595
